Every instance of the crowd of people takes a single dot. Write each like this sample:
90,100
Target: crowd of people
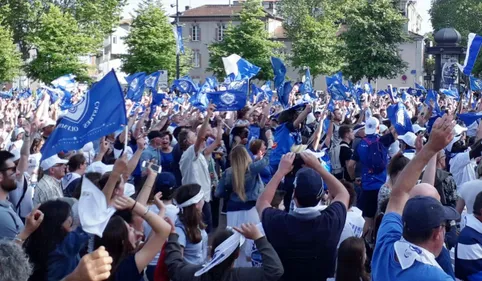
307,192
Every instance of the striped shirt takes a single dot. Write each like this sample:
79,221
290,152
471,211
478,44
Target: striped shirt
468,252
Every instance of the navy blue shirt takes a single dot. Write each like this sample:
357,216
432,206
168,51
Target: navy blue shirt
166,161
306,244
371,181
127,270
285,136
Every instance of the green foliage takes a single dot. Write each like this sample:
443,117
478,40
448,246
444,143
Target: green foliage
59,44
375,30
249,39
313,27
463,15
151,44
10,61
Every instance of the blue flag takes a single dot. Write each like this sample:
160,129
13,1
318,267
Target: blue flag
279,70
6,94
53,93
213,82
199,99
432,98
156,101
177,30
331,105
451,92
137,84
101,112
25,94
382,93
238,68
420,87
152,80
336,89
267,92
469,118
66,82
232,98
66,101
254,93
254,133
307,86
398,116
412,92
475,84
185,85
284,93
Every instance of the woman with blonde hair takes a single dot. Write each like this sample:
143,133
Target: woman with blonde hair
240,186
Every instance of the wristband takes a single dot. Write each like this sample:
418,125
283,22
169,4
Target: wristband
133,206
145,213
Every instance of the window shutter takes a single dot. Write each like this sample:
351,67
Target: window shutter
190,32
216,34
199,55
199,32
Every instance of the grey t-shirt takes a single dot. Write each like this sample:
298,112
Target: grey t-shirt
10,222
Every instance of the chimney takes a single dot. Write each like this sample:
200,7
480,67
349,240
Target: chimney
187,8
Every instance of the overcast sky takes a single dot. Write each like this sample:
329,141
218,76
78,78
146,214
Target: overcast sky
423,5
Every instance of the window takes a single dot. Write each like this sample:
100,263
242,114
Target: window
196,59
195,33
220,32
114,39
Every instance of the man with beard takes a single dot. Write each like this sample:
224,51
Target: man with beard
10,222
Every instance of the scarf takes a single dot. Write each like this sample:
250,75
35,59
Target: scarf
407,253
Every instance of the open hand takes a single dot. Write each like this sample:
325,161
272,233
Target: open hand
286,163
249,230
441,134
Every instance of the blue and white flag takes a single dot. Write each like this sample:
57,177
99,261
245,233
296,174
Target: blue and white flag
469,118
382,93
6,94
199,99
238,68
101,112
451,92
473,48
25,94
213,82
152,79
53,93
475,84
66,101
432,98
284,92
185,85
336,89
232,98
331,105
279,70
66,82
268,93
137,84
420,87
254,93
156,101
398,116
177,30
413,92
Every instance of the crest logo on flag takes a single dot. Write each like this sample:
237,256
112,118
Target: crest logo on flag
228,98
150,81
78,111
184,85
134,83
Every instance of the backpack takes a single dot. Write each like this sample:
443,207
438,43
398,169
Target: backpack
336,165
377,156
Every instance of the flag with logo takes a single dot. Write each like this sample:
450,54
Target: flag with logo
185,85
451,93
100,112
268,93
398,116
336,89
233,97
177,30
66,82
307,86
137,85
475,84
152,80
473,48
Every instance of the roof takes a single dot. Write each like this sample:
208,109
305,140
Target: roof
207,11
213,11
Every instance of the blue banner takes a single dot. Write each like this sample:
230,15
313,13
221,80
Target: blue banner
137,84
232,98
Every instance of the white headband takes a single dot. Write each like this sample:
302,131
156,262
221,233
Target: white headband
193,200
222,252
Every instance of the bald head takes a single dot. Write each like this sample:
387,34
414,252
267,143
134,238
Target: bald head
424,189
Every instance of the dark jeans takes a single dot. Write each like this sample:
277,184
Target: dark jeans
215,211
208,217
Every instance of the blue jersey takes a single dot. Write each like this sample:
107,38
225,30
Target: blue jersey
285,136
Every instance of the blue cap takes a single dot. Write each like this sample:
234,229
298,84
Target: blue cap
308,184
165,182
422,213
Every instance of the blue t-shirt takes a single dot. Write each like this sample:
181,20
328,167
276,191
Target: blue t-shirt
128,271
371,181
166,161
193,253
384,264
285,136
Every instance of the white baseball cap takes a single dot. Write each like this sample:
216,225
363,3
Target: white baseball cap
371,126
52,161
383,128
99,167
417,128
409,138
47,122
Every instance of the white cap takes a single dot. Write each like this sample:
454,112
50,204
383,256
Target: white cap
409,138
371,126
310,118
17,132
16,154
99,167
458,130
417,128
51,161
383,128
47,122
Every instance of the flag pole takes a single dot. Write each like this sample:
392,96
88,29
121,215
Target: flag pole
126,138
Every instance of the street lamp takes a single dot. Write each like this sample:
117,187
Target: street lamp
177,28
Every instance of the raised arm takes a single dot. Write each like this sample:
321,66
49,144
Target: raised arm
440,137
201,137
120,168
302,116
217,142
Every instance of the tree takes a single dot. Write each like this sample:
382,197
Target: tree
59,44
10,61
93,18
249,39
313,27
463,15
375,31
151,44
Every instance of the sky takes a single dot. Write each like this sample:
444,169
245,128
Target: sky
423,6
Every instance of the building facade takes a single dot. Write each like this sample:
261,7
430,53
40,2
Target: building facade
206,24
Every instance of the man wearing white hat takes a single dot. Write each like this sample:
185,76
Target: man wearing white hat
50,187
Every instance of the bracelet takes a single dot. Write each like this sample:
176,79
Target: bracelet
16,238
135,203
145,213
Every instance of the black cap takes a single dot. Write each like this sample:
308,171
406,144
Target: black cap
165,182
308,184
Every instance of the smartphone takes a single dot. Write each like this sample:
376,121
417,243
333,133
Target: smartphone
153,166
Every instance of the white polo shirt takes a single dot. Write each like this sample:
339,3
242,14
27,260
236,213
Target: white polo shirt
194,169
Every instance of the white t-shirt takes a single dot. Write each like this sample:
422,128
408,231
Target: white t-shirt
353,225
15,145
194,169
26,203
468,191
463,168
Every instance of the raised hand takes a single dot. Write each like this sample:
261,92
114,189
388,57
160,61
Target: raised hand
442,133
286,163
249,230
